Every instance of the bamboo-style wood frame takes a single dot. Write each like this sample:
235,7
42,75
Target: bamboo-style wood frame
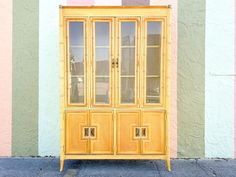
70,13
118,70
85,37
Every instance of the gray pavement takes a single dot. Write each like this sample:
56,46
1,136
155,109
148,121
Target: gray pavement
49,167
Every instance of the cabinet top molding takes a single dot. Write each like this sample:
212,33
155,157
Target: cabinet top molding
115,7
119,11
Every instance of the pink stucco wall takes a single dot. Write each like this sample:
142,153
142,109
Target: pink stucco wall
80,2
5,76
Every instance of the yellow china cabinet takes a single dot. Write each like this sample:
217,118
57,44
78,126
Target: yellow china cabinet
115,82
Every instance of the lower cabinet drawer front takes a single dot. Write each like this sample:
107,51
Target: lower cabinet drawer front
154,143
75,143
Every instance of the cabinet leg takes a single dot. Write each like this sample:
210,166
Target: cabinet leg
61,164
168,164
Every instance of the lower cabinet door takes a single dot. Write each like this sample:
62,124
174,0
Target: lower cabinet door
101,132
127,139
154,141
76,140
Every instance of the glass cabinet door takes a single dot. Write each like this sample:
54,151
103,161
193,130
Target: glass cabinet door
152,62
76,63
101,61
127,61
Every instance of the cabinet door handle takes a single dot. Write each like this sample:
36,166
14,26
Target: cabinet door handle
136,132
113,63
144,132
85,132
117,63
93,132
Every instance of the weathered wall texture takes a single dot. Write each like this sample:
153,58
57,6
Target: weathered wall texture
25,77
191,78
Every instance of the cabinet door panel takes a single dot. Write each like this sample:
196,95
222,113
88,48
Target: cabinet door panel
102,44
75,142
155,140
126,141
77,59
102,142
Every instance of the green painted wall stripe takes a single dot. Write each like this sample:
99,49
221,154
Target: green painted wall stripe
25,77
191,78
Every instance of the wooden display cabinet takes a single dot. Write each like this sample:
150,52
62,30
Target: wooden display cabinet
115,82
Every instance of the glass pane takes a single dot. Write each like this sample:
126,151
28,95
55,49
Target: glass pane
76,33
153,61
76,59
128,33
102,90
102,34
102,56
127,90
153,90
102,62
77,90
153,33
127,61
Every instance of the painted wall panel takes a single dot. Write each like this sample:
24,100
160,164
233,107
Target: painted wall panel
135,2
80,2
191,78
49,120
219,117
25,78
5,76
173,101
108,3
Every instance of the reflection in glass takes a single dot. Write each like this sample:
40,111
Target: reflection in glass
127,62
76,61
128,33
153,61
153,90
102,90
76,30
102,33
153,33
76,58
77,90
128,90
102,62
153,64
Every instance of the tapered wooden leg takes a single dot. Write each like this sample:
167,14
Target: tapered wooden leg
168,164
61,164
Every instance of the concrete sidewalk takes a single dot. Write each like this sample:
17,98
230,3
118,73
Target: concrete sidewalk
49,167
